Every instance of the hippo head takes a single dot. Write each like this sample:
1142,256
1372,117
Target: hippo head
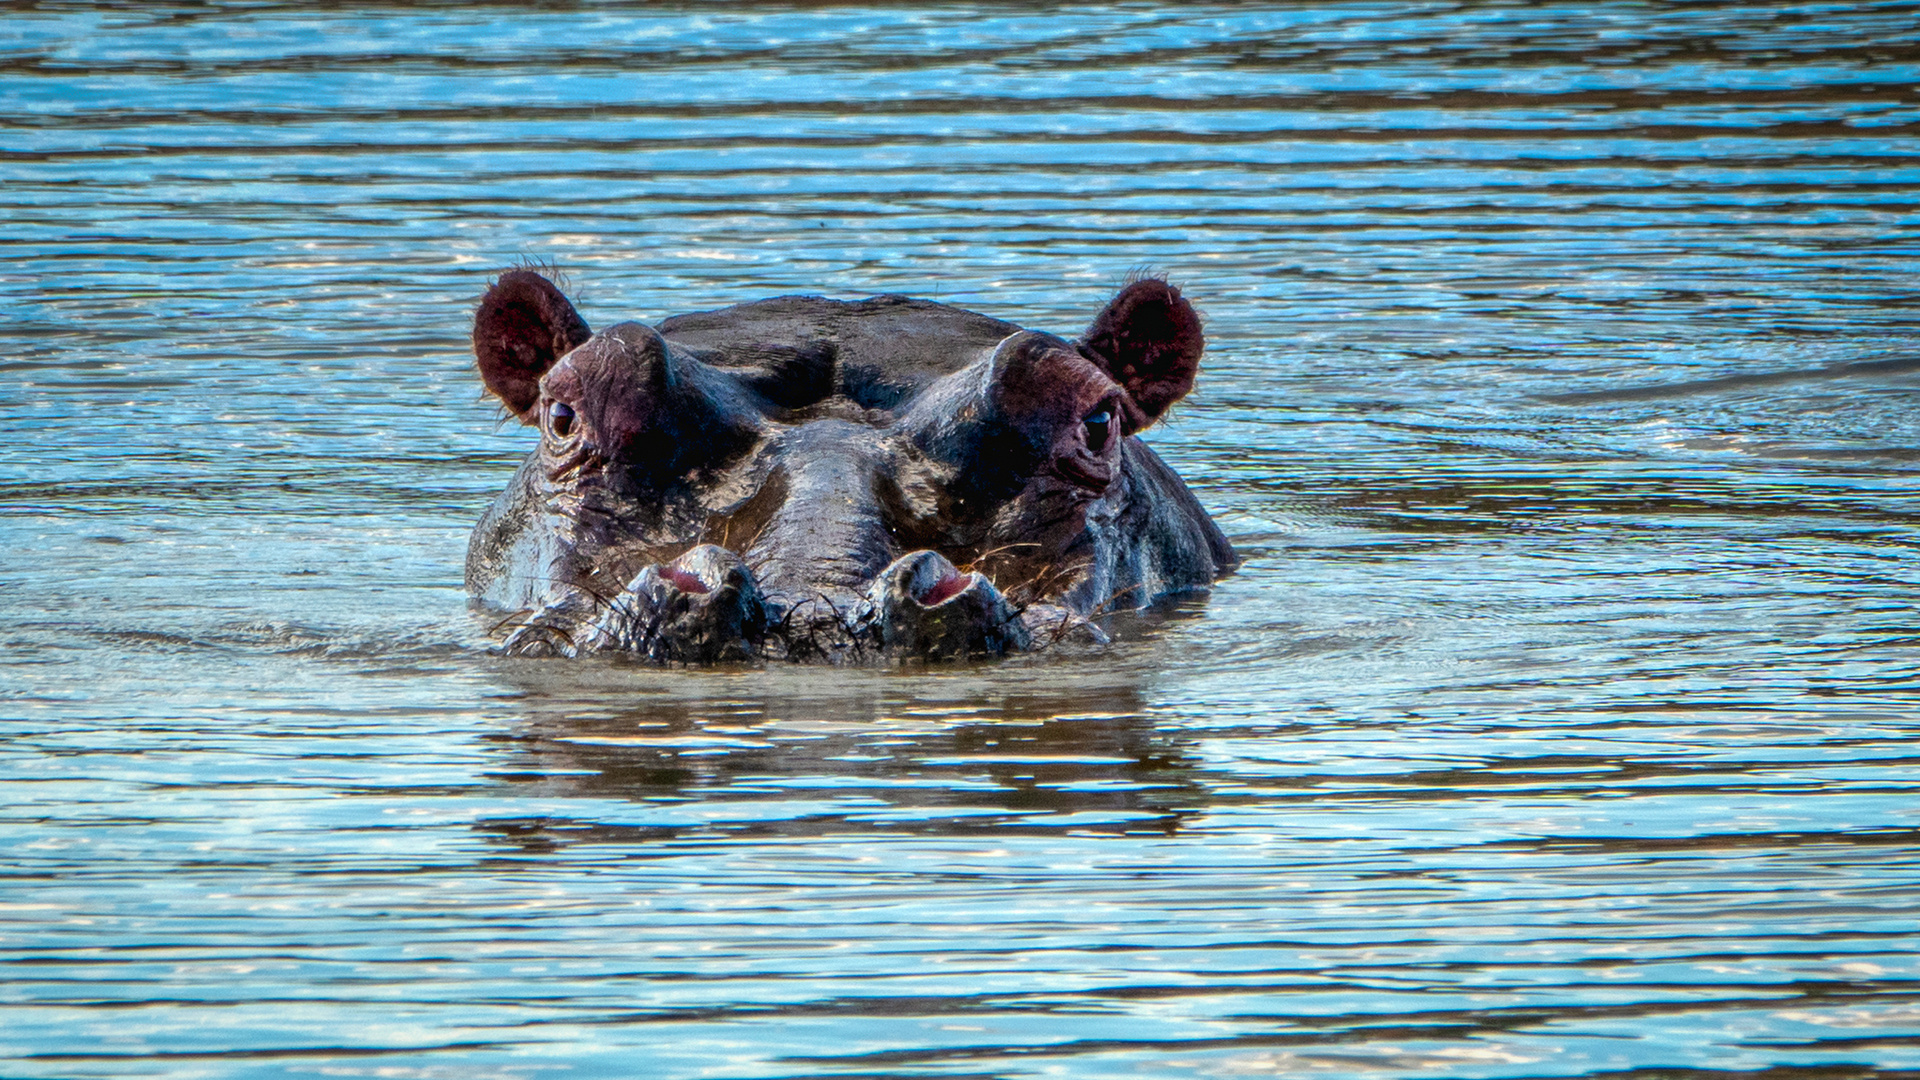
817,479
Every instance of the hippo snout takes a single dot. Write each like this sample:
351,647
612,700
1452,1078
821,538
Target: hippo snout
705,607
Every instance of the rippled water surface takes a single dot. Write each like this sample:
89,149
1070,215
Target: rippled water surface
1561,397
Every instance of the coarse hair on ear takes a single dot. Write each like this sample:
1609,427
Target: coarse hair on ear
1147,339
523,325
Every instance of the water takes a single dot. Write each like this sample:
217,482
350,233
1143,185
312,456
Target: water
1560,396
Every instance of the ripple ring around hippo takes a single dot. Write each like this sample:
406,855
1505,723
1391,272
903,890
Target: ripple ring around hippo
833,481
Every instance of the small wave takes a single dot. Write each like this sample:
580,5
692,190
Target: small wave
1855,369
281,639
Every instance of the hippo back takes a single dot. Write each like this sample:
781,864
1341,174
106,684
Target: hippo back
799,350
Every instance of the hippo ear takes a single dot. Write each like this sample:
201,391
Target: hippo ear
1149,341
522,326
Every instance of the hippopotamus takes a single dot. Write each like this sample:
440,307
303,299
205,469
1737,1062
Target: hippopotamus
810,479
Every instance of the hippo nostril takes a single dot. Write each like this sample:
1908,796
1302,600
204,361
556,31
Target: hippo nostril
950,585
561,417
923,606
684,580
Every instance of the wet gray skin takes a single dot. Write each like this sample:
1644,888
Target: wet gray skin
820,480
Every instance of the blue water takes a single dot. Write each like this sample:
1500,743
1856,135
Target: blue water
1561,396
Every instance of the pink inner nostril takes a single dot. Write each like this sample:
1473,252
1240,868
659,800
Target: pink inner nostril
948,587
683,580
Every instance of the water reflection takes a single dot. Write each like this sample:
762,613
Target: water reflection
698,756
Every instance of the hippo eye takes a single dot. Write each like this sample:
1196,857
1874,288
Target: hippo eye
1098,429
561,418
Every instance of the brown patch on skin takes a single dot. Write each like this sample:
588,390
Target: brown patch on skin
616,386
1047,392
523,324
631,401
1149,340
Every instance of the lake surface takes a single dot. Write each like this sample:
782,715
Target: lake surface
1563,397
